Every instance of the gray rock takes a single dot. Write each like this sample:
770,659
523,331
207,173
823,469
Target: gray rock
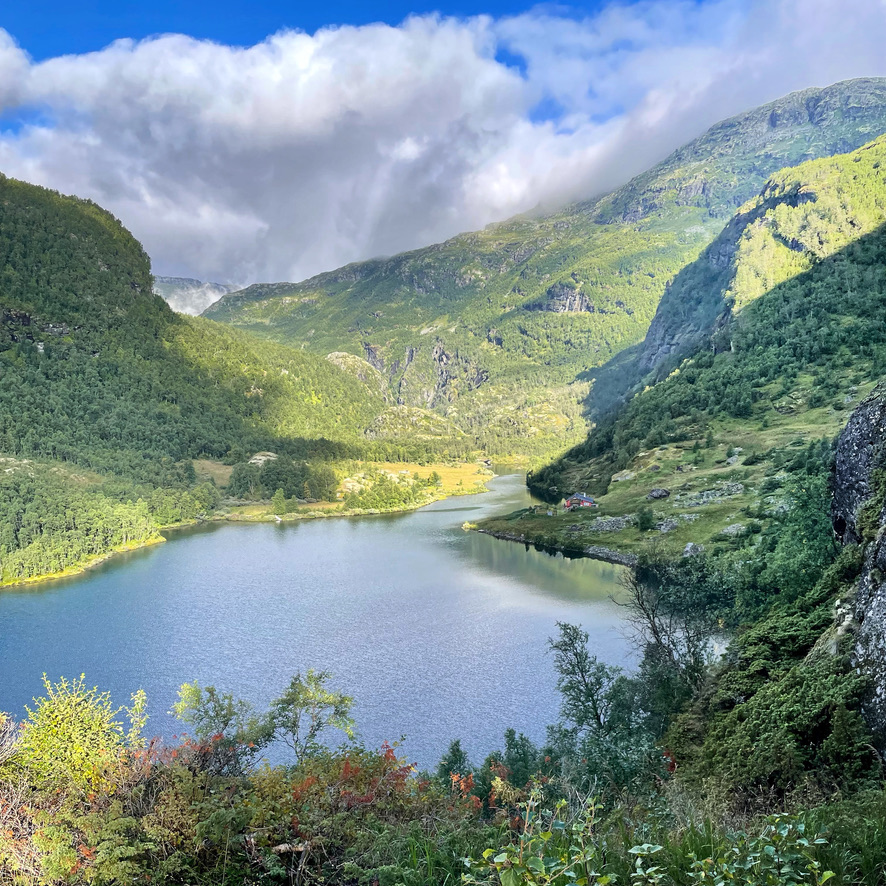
720,492
861,450
733,529
658,493
668,525
57,329
610,556
610,524
563,298
693,549
261,457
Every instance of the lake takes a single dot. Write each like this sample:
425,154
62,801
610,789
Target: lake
436,632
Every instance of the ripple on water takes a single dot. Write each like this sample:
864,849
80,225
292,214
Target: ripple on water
437,633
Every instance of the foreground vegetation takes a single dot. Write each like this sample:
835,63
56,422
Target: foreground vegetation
174,816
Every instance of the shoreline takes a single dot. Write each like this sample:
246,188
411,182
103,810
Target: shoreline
74,571
91,563
593,552
325,513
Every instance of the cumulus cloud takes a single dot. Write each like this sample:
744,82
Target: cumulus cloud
305,152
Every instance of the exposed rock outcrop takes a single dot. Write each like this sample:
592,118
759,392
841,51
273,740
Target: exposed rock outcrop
611,524
720,492
562,298
858,511
861,450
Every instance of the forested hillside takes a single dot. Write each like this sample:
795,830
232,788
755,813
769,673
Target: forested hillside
799,283
106,395
501,329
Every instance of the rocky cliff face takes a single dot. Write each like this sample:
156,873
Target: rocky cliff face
859,515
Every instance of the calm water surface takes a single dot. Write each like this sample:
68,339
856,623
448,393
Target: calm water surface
436,632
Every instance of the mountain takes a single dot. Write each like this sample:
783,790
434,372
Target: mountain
189,296
502,329
721,484
693,306
801,292
97,369
107,395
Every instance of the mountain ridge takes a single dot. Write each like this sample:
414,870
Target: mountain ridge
467,326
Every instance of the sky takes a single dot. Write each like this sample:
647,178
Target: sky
46,29
245,142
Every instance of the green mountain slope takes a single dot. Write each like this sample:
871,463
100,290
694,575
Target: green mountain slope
486,326
804,290
106,394
96,367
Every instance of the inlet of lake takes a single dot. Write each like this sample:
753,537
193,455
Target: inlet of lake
437,633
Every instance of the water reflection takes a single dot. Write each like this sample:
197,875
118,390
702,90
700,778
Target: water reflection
438,633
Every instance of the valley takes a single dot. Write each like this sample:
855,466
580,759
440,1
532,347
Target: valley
502,330
264,601
679,681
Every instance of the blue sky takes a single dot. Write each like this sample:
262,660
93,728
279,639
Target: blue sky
46,28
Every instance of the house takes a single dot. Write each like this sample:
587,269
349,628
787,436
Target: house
579,500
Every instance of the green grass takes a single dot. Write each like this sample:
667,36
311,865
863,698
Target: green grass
682,470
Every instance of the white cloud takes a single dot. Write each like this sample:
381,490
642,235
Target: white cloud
308,151
13,71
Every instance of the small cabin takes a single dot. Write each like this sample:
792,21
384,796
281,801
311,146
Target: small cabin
579,500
